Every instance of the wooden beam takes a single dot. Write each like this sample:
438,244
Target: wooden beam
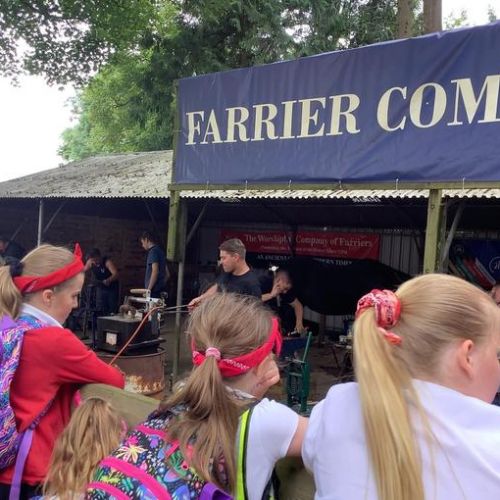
434,232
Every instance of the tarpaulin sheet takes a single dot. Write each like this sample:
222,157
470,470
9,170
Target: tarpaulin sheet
422,109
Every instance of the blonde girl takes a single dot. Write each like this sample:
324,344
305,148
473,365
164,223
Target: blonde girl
194,436
95,429
418,424
41,290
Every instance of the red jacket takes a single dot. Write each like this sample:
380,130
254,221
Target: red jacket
54,362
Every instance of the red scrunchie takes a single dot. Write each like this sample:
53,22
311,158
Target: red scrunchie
30,284
387,311
231,367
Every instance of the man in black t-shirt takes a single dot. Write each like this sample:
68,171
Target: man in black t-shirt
278,294
237,276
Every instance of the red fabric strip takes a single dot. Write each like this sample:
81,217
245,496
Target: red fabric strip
30,284
231,367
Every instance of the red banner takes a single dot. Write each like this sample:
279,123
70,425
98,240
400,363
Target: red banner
311,243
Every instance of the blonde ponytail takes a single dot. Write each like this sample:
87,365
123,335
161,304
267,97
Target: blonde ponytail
234,325
384,387
10,297
436,311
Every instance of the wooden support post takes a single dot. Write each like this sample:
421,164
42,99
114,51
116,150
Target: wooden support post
434,234
176,251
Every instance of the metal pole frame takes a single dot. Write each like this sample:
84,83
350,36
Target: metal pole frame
40,222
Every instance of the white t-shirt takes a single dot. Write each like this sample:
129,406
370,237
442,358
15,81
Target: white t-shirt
466,457
272,427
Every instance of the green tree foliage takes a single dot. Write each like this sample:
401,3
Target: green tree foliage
66,40
492,15
128,105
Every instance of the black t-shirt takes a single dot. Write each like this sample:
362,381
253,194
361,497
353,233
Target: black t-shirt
246,284
266,285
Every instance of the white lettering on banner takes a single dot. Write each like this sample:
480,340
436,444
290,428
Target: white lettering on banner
397,109
350,119
309,117
417,102
491,87
383,110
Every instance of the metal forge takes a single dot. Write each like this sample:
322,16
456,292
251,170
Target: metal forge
113,332
131,340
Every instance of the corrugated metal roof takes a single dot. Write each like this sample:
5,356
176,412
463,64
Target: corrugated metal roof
355,195
472,193
147,175
130,175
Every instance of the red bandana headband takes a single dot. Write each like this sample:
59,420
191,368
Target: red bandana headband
387,311
30,284
231,367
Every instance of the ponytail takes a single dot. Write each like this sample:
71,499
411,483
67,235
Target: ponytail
211,416
10,296
384,387
432,312
223,326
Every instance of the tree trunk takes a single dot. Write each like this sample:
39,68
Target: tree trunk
405,18
433,16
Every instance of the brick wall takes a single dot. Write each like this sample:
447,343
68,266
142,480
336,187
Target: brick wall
116,238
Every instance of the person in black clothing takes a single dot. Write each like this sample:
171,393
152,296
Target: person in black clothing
9,248
237,276
104,275
278,294
155,278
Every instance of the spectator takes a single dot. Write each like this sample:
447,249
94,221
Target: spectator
418,423
40,291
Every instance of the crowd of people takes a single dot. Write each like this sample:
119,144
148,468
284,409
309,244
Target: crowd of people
418,423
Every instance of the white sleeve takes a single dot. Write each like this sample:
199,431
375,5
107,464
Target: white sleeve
309,448
273,425
272,428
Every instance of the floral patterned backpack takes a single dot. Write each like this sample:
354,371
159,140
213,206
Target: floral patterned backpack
148,466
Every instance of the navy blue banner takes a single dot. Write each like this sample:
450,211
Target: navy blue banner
422,109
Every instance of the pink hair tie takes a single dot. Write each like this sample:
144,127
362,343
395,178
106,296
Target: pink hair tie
212,352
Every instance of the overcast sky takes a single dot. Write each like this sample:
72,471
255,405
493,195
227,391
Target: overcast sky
33,116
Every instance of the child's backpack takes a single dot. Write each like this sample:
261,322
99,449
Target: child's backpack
149,466
12,443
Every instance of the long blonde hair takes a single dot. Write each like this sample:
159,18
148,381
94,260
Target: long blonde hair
40,261
235,325
436,310
94,431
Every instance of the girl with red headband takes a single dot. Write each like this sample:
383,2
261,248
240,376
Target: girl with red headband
191,440
42,289
418,424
